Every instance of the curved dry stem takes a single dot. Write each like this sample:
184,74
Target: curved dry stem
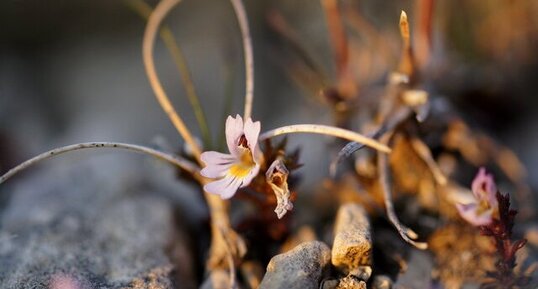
426,155
350,148
144,10
154,21
326,130
407,234
239,10
223,237
337,34
231,263
184,164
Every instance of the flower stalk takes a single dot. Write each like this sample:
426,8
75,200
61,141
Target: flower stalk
326,130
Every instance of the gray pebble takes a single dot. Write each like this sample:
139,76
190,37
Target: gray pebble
300,268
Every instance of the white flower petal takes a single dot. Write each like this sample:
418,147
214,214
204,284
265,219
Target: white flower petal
215,171
225,187
231,189
216,158
469,213
252,132
234,130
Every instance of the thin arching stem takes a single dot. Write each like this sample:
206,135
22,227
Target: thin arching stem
154,21
144,10
249,59
337,33
383,171
426,155
231,263
184,164
326,130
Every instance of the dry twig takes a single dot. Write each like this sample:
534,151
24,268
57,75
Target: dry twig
407,234
241,15
326,130
154,21
144,10
184,164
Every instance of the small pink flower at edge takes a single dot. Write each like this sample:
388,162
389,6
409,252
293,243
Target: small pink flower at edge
236,169
480,211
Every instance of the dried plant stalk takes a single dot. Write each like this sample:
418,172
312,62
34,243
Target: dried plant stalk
407,234
426,155
423,37
337,34
154,21
239,10
326,130
406,61
184,164
224,240
144,10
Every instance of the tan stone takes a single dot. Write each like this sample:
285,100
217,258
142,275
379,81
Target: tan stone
352,247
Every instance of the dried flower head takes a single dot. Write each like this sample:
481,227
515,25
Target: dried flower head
237,169
277,177
480,211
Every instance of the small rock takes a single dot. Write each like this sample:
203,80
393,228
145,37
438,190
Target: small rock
86,229
352,248
300,268
382,282
351,282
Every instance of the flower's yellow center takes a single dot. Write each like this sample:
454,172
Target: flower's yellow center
483,206
245,164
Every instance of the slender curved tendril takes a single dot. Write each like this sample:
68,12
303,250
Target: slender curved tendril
241,14
184,164
144,10
326,130
150,33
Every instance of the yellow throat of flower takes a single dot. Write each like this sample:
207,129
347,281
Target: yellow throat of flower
242,168
483,207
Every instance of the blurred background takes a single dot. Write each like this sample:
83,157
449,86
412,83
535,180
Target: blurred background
72,71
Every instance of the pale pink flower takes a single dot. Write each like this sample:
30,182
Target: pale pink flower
479,212
237,169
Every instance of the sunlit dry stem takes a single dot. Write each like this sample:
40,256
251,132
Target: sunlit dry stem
404,29
184,164
426,155
220,220
326,130
154,21
249,58
337,33
144,10
398,116
224,240
407,234
406,65
423,35
231,263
